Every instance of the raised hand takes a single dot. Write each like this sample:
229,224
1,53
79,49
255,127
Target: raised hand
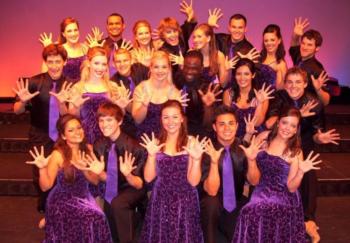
305,110
187,9
309,163
177,60
264,93
214,17
253,55
127,45
143,96
330,136
142,56
151,144
231,63
85,162
45,39
174,95
64,94
195,148
300,25
39,159
209,97
126,163
254,148
92,41
22,90
212,152
76,98
97,34
250,124
122,96
320,81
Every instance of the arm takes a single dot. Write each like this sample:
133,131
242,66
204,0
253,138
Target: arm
224,74
150,168
195,149
47,174
280,74
140,103
227,100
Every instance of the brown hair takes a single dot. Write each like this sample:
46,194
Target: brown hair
62,146
182,138
296,70
138,24
110,109
63,25
168,22
54,50
294,143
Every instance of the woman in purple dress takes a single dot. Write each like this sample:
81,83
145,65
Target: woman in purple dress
71,214
174,164
150,94
245,97
275,213
69,39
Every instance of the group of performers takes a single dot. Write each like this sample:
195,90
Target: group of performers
183,131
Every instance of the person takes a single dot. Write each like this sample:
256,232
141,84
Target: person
43,95
69,39
174,164
213,60
124,190
273,53
244,97
143,46
150,94
129,75
202,94
303,49
224,172
72,214
93,89
274,212
295,94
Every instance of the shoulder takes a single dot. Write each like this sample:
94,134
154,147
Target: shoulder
56,157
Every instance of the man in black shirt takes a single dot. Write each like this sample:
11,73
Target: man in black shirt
124,184
304,47
34,95
216,213
295,94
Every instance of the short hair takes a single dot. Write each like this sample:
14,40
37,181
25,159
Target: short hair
195,54
110,109
120,51
54,50
115,15
313,35
237,17
222,110
296,70
168,22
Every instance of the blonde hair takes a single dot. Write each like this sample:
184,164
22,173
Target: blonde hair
163,55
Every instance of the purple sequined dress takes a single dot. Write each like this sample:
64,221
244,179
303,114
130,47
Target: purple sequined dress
173,210
273,214
151,123
88,116
71,70
72,214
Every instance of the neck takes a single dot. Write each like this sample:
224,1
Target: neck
226,143
159,83
205,50
115,135
94,79
115,38
279,143
245,90
73,45
236,41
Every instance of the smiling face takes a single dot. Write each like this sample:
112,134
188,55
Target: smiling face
122,63
160,68
55,66
143,36
71,33
171,36
271,42
225,127
237,29
295,85
192,68
308,48
115,27
287,127
73,132
171,119
109,126
98,66
200,39
244,77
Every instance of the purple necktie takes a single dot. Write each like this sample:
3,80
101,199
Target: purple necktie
112,175
132,85
112,69
232,52
229,194
53,115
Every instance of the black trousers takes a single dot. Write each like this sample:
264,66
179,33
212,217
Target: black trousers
215,218
308,191
121,213
38,138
